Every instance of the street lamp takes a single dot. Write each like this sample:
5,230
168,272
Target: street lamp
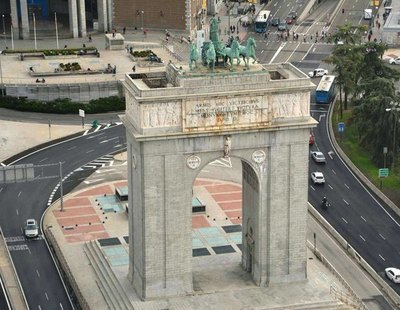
55,22
395,109
34,29
4,30
141,18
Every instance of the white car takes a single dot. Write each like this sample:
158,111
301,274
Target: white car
317,177
393,274
318,157
318,72
394,61
31,229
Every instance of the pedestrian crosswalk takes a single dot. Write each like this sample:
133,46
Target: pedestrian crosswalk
104,161
100,127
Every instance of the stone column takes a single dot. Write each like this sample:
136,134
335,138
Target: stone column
24,19
109,14
102,13
82,18
14,18
73,18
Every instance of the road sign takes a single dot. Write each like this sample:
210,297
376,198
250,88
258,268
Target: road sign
340,127
384,172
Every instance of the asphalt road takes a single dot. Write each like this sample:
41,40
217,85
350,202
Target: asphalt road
34,264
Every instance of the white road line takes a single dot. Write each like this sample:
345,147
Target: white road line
39,307
382,237
334,172
277,52
312,188
382,257
42,160
344,220
330,186
19,194
90,151
1,189
294,50
86,132
104,141
321,116
47,297
362,238
364,219
16,210
61,307
97,128
3,164
71,148
346,202
307,52
346,186
38,274
105,170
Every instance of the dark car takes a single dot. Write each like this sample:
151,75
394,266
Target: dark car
293,15
282,26
275,21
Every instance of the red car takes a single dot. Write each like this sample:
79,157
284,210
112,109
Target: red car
312,140
289,20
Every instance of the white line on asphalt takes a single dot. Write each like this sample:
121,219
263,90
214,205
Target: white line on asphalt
277,52
364,219
362,238
16,210
346,202
19,194
42,160
382,237
346,186
39,307
330,186
61,307
105,170
344,220
90,151
71,148
312,188
38,274
47,297
294,50
321,116
86,132
382,257
1,189
3,164
333,171
307,52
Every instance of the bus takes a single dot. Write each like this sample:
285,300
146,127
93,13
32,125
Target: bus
325,91
262,21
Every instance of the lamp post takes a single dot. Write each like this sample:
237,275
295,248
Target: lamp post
55,22
395,108
34,29
4,29
141,18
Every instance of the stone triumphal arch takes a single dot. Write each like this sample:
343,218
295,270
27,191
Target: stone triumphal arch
177,122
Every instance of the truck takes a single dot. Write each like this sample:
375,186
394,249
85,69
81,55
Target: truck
367,14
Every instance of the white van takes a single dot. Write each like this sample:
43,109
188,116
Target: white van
367,14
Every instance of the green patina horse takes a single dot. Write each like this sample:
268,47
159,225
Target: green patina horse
211,56
194,56
232,52
248,51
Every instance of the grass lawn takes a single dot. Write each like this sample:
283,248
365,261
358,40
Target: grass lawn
361,158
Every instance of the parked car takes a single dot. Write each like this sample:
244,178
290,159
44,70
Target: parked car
289,20
282,26
318,157
317,177
293,15
318,72
394,61
31,228
393,274
275,21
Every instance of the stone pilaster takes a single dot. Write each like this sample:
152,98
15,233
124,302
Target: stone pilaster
73,18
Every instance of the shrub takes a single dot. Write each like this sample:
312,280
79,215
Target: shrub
64,106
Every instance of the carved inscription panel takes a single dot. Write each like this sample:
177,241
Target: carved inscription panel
211,112
161,114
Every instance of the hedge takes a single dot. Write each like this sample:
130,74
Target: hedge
64,106
51,52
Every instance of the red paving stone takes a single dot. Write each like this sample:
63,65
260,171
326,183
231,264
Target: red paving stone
84,229
200,182
199,221
223,188
234,214
74,212
119,184
236,221
87,237
74,202
232,205
80,220
228,197
97,191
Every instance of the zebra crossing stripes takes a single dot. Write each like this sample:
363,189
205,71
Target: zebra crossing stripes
100,127
104,161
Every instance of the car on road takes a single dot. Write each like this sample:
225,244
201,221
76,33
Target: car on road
31,228
275,21
293,15
394,61
393,274
318,157
318,72
282,26
289,20
317,177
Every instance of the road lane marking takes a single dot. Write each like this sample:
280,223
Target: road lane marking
47,297
42,160
19,194
346,186
330,186
334,172
307,53
346,202
1,189
344,220
71,148
38,274
90,151
382,237
16,210
277,52
312,188
61,307
320,117
93,181
294,50
19,247
364,219
382,257
362,238
330,153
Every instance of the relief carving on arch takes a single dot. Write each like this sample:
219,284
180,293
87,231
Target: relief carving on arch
290,105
